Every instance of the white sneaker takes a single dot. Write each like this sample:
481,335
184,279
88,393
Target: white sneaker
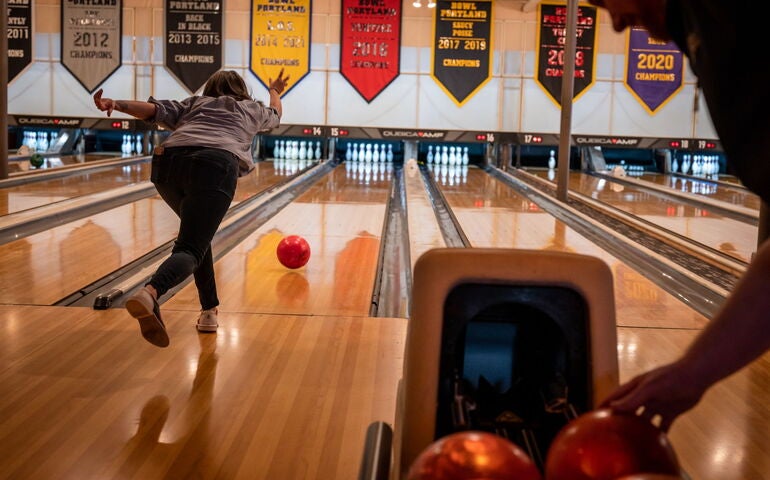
207,321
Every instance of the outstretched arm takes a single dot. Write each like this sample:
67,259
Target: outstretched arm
737,335
138,109
276,89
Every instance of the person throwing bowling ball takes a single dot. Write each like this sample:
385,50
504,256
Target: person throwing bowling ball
195,171
715,36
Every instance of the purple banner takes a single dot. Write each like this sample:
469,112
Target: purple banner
655,69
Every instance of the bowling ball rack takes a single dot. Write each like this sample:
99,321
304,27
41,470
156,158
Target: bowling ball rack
524,414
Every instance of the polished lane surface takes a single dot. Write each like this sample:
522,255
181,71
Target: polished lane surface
290,396
46,267
341,217
732,237
724,188
30,195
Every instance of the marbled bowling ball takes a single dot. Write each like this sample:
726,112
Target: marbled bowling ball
602,445
473,455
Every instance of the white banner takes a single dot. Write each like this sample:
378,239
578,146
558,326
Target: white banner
90,39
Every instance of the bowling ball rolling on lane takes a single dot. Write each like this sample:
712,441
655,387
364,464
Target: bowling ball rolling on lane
293,252
36,160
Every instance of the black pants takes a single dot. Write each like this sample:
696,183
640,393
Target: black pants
198,184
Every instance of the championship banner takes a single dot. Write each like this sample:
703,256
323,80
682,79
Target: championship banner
462,47
370,45
552,39
19,37
654,69
90,39
280,39
193,41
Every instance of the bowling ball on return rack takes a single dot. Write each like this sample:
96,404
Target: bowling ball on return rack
603,445
293,251
650,476
473,455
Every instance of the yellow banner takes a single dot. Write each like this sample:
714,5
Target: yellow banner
280,39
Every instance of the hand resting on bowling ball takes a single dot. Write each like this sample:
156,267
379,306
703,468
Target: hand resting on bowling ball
659,396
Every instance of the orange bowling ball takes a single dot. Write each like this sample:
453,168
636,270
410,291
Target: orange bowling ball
293,251
602,445
473,455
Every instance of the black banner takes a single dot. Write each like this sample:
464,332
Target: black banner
462,47
19,36
193,41
552,37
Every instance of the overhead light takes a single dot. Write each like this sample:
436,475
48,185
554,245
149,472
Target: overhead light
417,4
431,4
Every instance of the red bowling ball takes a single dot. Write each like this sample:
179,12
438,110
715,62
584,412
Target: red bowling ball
473,455
602,445
293,251
650,476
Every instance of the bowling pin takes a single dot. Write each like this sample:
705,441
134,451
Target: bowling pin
466,159
430,154
317,153
302,152
674,165
43,141
444,155
390,153
552,160
376,154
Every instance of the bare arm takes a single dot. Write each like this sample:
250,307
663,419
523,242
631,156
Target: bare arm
138,109
276,88
738,334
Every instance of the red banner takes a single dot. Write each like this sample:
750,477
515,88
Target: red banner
370,45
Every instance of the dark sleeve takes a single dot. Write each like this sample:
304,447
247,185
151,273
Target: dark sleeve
735,88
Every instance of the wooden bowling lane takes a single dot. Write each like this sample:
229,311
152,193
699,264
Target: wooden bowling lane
725,436
20,166
42,269
18,198
424,231
82,395
725,188
341,217
653,327
729,236
494,215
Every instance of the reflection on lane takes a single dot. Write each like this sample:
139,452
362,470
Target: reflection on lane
732,237
35,194
717,188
